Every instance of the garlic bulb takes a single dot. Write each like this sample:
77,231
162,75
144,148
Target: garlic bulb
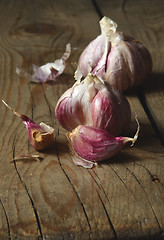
88,145
91,102
118,59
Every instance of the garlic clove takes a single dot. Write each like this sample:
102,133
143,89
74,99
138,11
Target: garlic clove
128,64
40,136
90,57
49,71
73,107
111,111
92,144
69,109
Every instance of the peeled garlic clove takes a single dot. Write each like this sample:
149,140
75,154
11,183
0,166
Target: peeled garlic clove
91,102
123,62
93,144
40,136
49,71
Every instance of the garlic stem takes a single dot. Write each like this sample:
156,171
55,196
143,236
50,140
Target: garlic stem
134,139
16,113
137,132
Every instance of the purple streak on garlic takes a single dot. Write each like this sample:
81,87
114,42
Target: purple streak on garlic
89,145
92,102
40,136
111,111
123,61
49,71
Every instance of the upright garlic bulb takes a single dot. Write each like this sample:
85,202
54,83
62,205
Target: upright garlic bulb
91,102
118,59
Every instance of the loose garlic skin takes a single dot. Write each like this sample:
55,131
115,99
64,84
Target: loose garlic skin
91,102
123,61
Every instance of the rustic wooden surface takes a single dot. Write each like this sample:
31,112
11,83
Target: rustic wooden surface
54,199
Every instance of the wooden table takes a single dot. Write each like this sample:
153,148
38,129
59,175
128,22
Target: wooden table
122,198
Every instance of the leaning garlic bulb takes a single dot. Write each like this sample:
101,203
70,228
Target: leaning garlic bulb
93,103
118,59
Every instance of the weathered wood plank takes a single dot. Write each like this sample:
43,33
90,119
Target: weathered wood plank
119,199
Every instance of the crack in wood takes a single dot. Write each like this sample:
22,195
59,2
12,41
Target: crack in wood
32,108
28,194
155,216
7,219
99,186
121,180
96,174
55,38
47,102
150,116
152,176
74,189
97,8
17,20
123,4
108,217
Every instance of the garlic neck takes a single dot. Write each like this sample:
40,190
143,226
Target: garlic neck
108,27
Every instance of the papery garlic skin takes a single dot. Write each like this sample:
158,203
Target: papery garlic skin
123,61
47,72
94,103
95,144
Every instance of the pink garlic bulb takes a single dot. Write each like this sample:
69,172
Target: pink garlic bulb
89,145
91,102
118,59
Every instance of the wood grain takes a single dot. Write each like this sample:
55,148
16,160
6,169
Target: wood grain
122,198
